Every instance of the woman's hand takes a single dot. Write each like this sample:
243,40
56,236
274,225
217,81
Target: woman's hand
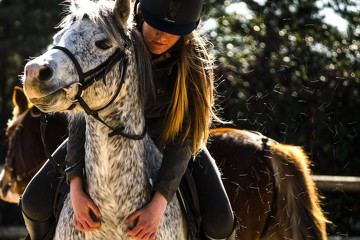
148,218
83,205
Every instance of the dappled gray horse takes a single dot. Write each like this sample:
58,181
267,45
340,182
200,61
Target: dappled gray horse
91,60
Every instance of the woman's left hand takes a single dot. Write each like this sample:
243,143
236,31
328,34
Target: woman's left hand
148,218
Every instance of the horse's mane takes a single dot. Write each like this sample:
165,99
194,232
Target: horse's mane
13,123
101,13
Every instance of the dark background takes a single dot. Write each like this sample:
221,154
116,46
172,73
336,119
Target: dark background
281,70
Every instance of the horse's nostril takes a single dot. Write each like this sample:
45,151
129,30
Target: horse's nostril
45,73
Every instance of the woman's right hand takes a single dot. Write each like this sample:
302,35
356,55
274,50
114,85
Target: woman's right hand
83,205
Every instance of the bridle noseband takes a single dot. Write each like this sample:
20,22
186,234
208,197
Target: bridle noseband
92,76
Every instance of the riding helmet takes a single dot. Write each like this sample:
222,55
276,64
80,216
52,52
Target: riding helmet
178,17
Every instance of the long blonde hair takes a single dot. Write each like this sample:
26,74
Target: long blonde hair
193,94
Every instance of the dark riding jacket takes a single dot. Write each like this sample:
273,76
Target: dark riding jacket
176,154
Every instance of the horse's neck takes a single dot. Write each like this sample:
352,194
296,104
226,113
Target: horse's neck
112,164
115,161
103,150
125,112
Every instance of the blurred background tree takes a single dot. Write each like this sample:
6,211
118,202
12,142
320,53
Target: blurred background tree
287,68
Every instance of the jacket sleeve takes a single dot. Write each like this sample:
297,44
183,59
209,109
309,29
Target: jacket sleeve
75,156
176,157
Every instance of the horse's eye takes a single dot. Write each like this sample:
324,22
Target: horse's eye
103,44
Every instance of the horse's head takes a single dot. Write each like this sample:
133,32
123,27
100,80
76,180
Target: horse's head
90,48
11,184
25,154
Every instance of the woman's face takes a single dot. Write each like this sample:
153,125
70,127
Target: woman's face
157,41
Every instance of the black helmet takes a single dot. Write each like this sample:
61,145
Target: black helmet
178,17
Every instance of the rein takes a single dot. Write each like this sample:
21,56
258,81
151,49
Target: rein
58,167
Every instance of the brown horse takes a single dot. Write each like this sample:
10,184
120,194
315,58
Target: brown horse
25,153
269,184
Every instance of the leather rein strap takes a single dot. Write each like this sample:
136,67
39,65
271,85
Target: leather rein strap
58,167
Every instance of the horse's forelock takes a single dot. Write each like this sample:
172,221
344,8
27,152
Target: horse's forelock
100,12
84,8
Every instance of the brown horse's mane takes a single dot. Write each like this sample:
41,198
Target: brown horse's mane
16,120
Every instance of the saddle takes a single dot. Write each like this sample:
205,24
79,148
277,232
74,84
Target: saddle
189,202
186,193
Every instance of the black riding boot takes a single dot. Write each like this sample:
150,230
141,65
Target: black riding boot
236,227
232,235
38,230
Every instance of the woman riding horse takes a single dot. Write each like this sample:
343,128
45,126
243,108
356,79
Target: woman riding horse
178,114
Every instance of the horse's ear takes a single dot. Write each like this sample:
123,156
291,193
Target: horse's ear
73,3
19,99
122,11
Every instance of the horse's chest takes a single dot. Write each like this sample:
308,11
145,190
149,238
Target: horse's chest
115,168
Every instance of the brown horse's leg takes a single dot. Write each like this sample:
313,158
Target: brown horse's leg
38,230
